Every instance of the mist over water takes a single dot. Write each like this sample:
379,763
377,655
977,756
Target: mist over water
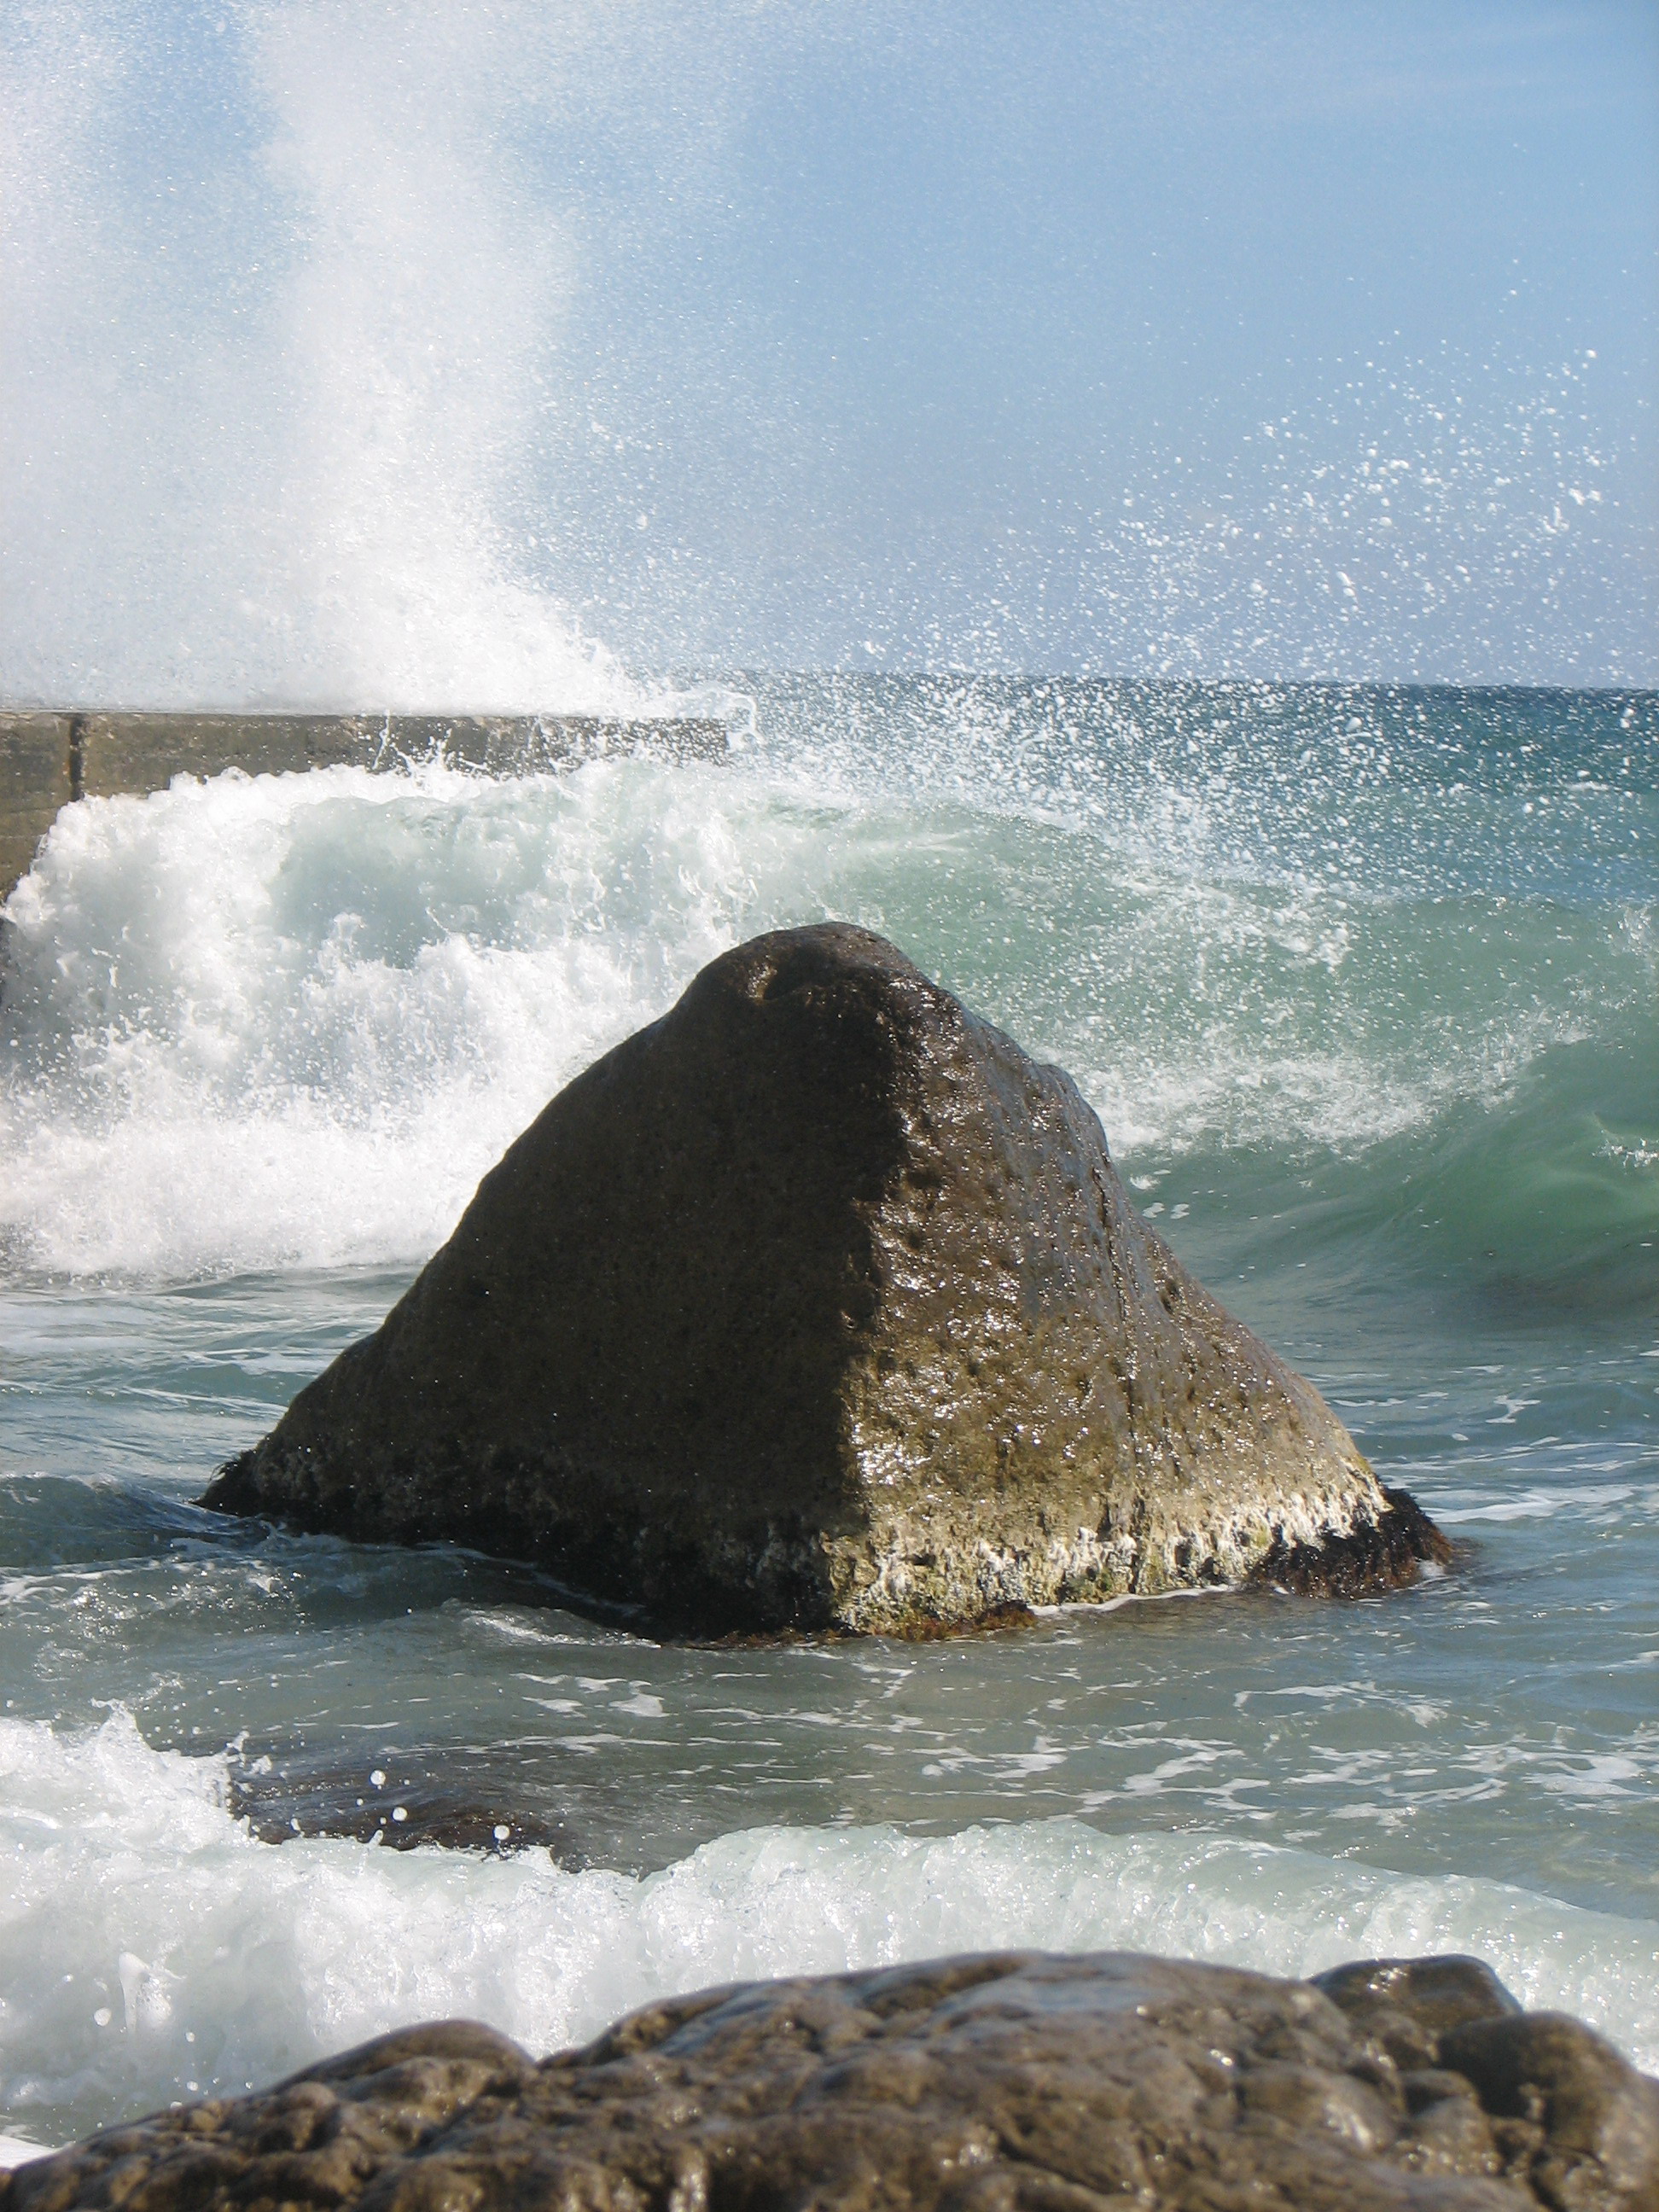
289,303
433,358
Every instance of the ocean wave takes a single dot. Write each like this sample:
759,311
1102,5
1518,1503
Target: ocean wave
287,1021
153,1949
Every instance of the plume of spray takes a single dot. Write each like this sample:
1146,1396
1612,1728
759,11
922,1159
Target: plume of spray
388,357
281,302
409,321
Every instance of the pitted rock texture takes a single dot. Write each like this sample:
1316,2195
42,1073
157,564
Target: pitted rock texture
1018,2083
818,1304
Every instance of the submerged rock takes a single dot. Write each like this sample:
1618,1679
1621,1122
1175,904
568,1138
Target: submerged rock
1011,2083
818,1304
439,1803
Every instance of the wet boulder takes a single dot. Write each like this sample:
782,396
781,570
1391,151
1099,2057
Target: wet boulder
1016,2082
1407,2006
818,1304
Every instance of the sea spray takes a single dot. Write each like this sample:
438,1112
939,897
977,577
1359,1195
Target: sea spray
244,1012
1301,939
399,356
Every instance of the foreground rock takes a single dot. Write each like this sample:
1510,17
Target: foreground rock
818,1304
1018,2083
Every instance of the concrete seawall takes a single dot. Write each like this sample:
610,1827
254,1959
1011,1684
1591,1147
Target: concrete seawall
48,760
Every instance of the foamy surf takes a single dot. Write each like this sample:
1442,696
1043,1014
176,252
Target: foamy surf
289,1020
154,1950
1363,988
292,1019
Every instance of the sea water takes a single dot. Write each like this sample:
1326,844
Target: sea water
1364,985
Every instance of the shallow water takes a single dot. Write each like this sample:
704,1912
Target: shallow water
1363,986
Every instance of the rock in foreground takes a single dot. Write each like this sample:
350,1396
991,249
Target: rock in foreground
1019,2083
818,1304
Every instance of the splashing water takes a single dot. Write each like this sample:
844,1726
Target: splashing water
164,1950
1362,984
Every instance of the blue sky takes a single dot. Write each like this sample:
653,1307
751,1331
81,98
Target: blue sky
354,351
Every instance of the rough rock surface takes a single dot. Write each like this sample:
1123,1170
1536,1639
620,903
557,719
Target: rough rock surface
817,1303
1019,2083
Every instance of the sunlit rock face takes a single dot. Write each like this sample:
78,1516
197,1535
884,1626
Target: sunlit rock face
818,1304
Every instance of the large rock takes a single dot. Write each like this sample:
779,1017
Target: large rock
817,1303
1018,2083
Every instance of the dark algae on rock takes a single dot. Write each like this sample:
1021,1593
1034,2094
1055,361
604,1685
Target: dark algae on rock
1011,2083
818,1304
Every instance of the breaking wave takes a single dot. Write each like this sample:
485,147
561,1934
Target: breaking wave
289,1020
156,1950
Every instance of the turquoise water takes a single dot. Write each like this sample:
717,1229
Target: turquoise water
1365,987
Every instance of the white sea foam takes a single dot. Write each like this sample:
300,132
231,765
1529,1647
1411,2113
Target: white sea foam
17,2150
293,1019
152,1949
289,1020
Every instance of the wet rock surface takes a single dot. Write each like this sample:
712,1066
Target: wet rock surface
299,1795
1014,2083
818,1304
